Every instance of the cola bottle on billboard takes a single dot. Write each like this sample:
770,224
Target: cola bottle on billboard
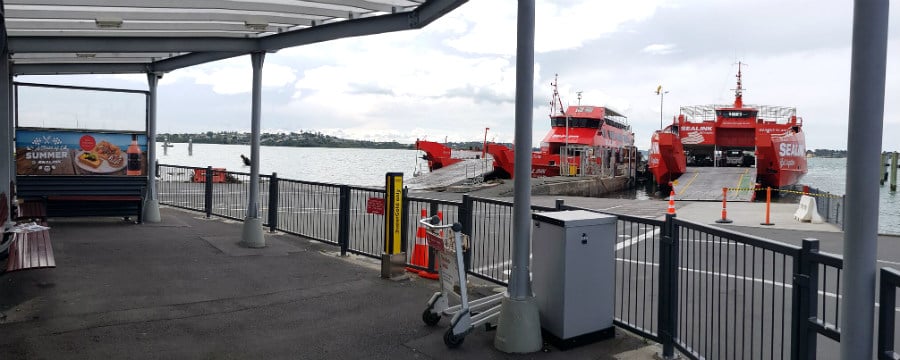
134,157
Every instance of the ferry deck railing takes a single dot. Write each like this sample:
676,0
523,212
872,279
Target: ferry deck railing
706,292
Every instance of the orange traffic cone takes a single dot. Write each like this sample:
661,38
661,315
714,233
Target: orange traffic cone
420,250
430,273
671,202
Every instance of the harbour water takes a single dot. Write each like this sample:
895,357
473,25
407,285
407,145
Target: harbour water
366,167
363,167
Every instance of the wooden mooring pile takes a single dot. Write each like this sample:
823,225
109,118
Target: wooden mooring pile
891,168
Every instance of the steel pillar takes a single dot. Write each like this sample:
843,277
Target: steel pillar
252,235
151,203
7,173
519,327
867,78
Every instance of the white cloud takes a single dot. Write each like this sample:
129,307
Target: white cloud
659,49
492,24
233,76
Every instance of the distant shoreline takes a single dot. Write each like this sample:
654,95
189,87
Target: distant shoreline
299,139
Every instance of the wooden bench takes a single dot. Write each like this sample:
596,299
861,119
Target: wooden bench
76,196
31,250
32,210
25,250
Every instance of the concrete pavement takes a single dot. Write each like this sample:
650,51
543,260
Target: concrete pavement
182,289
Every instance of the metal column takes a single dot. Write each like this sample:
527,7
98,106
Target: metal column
519,329
6,173
151,203
867,78
253,232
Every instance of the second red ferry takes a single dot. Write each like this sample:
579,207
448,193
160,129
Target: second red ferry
769,137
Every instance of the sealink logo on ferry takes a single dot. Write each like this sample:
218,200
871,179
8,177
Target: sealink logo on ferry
789,149
696,128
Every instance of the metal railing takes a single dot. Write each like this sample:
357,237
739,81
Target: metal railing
704,291
733,297
828,205
887,298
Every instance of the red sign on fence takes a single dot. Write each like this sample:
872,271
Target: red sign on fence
375,206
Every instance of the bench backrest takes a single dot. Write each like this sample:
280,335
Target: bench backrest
44,186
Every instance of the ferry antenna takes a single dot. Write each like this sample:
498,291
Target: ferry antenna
556,100
739,90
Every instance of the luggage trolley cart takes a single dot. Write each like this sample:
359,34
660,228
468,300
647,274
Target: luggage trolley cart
467,315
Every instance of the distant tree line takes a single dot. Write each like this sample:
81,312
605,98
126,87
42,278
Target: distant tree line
301,139
827,153
295,139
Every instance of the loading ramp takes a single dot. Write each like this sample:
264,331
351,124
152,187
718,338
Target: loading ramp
465,171
706,183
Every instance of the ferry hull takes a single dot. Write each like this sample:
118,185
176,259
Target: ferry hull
782,159
436,154
667,161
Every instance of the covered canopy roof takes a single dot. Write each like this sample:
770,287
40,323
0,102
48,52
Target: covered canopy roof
136,36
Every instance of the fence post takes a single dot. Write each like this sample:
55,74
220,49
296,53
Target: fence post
668,287
344,220
466,218
208,193
432,211
404,222
803,301
273,202
888,300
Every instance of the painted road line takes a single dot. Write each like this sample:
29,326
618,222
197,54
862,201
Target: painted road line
732,276
642,237
686,186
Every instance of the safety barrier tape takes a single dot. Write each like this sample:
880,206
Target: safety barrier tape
828,195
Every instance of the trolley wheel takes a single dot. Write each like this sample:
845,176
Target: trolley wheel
430,318
453,341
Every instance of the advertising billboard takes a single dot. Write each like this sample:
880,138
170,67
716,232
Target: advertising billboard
57,152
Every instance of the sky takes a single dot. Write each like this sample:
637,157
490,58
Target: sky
456,77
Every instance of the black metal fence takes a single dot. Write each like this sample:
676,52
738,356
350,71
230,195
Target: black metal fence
890,281
704,291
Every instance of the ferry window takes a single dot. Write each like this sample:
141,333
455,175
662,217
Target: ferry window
736,114
575,122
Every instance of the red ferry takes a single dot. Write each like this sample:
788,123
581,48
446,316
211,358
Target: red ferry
769,137
438,155
583,140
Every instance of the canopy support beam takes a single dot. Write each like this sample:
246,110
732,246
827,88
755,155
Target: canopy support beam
253,232
151,203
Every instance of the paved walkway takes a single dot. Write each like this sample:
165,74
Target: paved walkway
182,289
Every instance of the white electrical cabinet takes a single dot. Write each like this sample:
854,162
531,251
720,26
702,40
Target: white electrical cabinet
573,275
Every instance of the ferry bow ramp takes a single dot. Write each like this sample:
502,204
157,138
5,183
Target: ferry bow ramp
458,173
706,183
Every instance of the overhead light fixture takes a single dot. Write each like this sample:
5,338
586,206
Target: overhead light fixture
257,25
108,23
